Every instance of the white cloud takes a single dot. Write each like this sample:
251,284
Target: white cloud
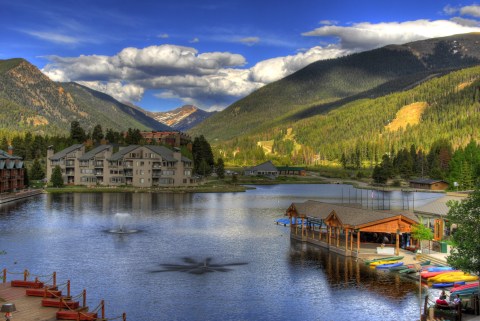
194,40
274,69
249,41
163,36
473,10
216,79
366,35
122,92
466,22
52,36
328,22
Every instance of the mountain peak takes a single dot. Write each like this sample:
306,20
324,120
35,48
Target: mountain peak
182,118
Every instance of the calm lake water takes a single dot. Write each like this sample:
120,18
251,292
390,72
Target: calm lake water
282,280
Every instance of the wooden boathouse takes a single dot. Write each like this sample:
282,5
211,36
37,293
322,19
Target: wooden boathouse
349,230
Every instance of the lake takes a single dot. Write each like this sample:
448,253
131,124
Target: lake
276,278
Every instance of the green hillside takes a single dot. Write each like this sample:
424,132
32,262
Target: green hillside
30,101
451,111
329,84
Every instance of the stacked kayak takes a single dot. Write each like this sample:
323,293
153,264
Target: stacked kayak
388,265
453,277
388,258
447,285
466,289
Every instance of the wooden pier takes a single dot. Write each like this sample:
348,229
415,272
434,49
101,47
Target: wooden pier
28,307
11,197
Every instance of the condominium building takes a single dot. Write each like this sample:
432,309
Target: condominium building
11,172
134,165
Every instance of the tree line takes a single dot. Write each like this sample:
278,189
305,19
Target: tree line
32,148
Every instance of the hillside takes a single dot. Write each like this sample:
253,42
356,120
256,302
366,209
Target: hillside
182,118
30,101
444,107
329,84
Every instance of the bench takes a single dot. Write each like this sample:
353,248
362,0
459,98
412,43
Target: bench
386,250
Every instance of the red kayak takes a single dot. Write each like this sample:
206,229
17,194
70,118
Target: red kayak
463,287
426,275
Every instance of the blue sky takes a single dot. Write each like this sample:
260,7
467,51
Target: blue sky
160,55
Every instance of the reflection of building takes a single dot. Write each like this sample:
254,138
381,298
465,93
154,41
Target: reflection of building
11,172
430,184
134,165
173,139
433,214
342,228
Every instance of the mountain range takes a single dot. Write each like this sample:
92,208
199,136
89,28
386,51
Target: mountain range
329,84
354,104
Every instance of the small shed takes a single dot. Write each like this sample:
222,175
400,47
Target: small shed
430,184
433,214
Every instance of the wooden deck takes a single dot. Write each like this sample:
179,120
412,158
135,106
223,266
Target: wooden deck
29,308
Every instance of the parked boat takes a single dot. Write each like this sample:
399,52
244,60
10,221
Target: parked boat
440,268
388,258
373,264
438,277
388,266
464,287
427,274
456,278
447,285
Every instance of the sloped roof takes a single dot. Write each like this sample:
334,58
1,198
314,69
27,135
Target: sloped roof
5,155
163,151
426,181
91,154
122,152
264,167
348,215
61,154
438,206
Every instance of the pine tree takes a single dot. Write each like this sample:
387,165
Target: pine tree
77,133
36,171
220,169
97,134
57,179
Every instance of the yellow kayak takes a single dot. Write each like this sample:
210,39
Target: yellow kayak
440,276
383,262
456,278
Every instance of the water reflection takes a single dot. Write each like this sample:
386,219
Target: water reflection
349,273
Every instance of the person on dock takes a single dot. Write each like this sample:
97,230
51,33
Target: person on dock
442,300
457,300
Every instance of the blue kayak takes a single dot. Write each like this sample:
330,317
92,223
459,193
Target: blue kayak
388,266
440,268
447,285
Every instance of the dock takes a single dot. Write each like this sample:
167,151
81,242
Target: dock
11,197
28,307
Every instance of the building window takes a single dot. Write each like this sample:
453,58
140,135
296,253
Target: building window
142,180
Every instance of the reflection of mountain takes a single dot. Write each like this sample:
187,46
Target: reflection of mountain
343,272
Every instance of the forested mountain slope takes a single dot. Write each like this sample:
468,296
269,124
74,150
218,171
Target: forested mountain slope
30,101
329,84
445,107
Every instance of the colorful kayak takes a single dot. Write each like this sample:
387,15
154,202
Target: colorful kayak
440,268
445,275
388,266
456,278
388,258
383,262
463,287
447,285
426,274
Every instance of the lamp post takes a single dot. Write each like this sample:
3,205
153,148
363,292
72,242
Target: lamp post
8,308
